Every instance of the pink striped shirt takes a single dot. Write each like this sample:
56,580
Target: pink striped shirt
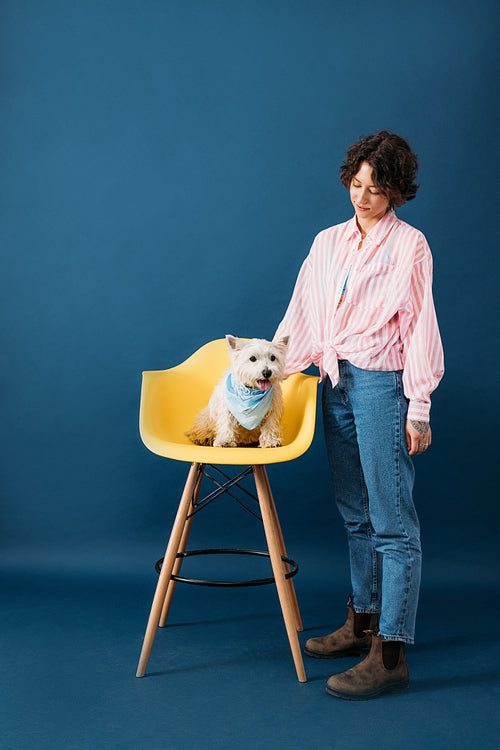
386,319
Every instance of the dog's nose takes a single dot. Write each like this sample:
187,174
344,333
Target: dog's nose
267,374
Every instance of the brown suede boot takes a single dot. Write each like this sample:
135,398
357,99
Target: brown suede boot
345,641
371,678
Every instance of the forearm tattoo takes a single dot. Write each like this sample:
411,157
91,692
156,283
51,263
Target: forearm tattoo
420,427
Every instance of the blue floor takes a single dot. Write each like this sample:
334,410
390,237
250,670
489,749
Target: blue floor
221,675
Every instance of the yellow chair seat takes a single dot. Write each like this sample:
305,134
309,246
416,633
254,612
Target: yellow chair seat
171,399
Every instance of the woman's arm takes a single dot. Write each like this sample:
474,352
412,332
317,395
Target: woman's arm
297,323
423,351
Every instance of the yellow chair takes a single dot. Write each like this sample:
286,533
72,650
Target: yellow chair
170,399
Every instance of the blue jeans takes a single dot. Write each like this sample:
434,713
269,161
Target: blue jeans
364,419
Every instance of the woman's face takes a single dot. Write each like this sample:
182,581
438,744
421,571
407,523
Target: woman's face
369,203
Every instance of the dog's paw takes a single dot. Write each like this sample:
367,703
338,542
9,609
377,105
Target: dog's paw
270,442
220,443
200,441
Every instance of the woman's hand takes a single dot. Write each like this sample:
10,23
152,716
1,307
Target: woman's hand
418,436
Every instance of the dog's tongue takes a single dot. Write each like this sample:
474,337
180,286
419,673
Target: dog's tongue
264,385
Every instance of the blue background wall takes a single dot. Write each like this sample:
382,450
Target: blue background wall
165,167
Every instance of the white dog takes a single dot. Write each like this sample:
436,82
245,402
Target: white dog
246,406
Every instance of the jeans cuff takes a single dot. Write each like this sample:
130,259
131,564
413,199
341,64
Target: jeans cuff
401,638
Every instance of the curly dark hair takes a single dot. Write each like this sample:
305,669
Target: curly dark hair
393,163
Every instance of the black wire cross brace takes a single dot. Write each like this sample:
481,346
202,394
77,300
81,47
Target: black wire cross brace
197,505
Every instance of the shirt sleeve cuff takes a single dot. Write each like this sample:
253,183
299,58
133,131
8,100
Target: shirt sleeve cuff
419,411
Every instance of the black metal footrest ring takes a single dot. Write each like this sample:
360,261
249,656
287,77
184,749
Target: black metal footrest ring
256,582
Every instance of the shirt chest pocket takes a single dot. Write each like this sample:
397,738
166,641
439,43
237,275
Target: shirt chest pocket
371,284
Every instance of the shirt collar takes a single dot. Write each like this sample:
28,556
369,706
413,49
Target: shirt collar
379,231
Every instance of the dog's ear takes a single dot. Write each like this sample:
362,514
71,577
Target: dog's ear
283,342
233,343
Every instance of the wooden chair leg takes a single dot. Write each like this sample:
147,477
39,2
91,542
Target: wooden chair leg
281,542
278,569
178,560
166,569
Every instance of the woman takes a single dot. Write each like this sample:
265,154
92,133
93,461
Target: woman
362,311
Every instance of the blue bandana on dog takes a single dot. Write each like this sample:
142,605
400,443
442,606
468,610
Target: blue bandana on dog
248,405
